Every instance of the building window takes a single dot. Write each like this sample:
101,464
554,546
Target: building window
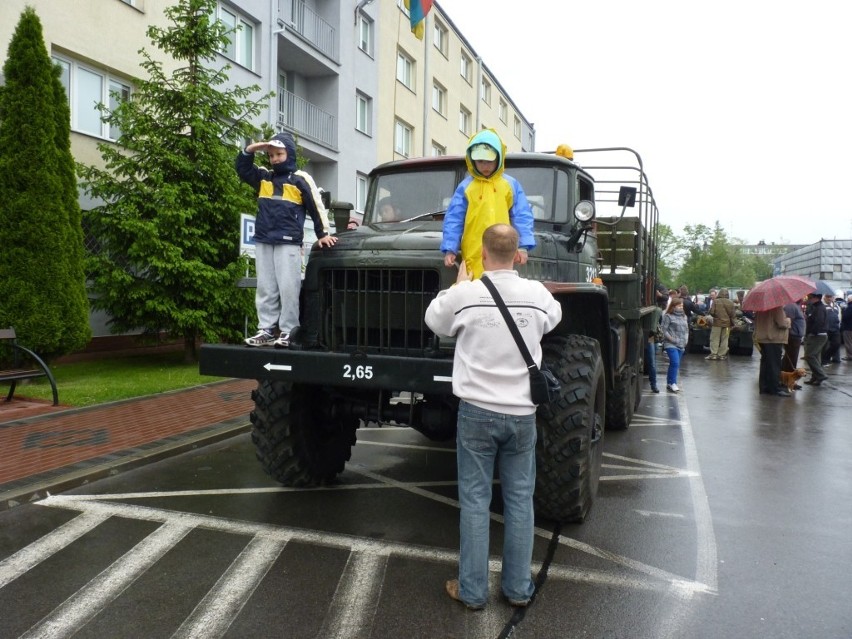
466,68
517,127
464,121
503,111
365,34
86,88
439,99
402,139
240,45
441,38
363,113
485,91
360,192
405,70
438,150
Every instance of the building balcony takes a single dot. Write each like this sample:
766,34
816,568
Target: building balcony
306,119
313,29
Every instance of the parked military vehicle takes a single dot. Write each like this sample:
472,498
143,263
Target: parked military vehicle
363,355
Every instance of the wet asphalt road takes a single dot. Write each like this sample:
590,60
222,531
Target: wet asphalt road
721,513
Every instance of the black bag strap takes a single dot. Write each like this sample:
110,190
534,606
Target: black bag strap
510,322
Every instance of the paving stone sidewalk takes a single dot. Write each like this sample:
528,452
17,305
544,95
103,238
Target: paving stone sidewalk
50,449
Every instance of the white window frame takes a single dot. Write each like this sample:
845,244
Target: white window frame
366,30
83,115
517,127
439,99
438,150
361,184
441,37
503,111
466,67
464,120
403,134
363,113
485,91
405,69
242,42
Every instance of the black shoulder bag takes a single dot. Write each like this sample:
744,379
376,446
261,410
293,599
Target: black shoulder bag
544,386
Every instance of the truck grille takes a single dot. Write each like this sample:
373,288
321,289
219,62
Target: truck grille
377,310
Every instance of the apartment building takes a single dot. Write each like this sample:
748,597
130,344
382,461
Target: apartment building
349,78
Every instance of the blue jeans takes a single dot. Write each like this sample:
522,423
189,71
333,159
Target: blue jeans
651,362
674,354
483,438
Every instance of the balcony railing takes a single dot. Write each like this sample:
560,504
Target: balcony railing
314,29
307,119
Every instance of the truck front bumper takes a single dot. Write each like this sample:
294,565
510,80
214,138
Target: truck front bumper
355,370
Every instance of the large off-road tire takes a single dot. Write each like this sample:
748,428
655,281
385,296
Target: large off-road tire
298,439
570,430
621,403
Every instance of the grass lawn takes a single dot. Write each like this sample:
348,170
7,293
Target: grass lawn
110,379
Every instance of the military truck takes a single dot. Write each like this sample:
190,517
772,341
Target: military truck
363,355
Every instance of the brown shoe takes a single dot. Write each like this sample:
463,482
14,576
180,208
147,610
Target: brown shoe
452,588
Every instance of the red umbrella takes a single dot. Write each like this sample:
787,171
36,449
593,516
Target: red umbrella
777,292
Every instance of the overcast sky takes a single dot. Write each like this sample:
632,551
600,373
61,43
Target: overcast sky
740,109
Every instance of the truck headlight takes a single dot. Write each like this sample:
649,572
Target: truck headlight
584,211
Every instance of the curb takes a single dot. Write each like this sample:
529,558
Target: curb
39,486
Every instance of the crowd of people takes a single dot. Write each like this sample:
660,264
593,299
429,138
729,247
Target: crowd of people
818,323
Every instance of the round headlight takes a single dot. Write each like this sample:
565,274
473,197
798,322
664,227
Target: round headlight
584,211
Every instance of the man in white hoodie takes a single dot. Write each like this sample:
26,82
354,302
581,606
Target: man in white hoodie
496,417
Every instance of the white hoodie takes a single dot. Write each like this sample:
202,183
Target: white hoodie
488,369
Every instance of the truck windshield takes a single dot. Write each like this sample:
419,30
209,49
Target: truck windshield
402,196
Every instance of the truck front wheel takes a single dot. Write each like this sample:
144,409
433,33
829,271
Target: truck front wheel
570,430
298,439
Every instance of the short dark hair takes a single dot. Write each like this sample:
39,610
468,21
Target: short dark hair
501,240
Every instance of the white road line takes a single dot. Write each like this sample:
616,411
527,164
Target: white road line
350,542
411,446
66,619
651,513
220,606
356,599
27,558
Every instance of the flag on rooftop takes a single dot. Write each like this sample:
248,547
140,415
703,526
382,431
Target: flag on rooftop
417,10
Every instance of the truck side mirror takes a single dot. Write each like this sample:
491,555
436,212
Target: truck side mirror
627,196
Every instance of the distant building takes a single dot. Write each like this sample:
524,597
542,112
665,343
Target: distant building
768,250
829,260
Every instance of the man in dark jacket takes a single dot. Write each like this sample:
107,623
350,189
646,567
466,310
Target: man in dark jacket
816,335
831,351
846,328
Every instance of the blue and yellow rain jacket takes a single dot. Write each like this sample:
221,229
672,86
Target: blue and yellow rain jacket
284,198
479,202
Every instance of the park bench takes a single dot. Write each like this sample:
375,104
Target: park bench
18,363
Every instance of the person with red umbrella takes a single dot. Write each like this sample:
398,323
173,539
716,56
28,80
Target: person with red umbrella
770,331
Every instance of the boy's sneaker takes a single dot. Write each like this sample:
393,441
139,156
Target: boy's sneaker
672,388
263,338
283,341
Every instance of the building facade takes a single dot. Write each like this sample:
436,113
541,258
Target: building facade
829,260
347,77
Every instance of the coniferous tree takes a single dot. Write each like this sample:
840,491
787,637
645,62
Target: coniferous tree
42,286
168,227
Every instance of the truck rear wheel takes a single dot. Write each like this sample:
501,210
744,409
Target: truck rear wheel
570,430
298,439
622,401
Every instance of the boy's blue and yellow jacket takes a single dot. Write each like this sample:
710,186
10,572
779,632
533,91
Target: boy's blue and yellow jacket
480,201
283,199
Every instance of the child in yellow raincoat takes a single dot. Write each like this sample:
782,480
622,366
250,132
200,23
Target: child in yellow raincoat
486,196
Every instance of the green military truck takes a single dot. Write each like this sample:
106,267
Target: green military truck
363,355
